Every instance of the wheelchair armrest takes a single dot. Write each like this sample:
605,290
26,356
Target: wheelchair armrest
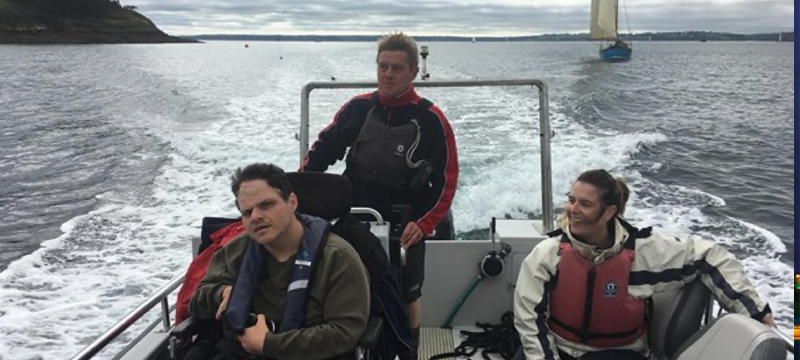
369,339
186,328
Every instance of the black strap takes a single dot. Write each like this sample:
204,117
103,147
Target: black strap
502,339
554,233
422,107
634,234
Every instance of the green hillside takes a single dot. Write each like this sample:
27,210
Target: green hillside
75,22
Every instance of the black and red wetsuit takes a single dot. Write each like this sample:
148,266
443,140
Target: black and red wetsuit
429,205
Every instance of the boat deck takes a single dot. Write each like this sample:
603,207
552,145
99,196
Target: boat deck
435,341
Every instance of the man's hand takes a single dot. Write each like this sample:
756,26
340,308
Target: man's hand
226,294
411,234
769,321
253,338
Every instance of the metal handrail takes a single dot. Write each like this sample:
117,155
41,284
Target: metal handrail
159,297
368,211
544,123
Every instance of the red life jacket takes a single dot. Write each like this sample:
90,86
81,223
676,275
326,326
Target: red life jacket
591,305
197,269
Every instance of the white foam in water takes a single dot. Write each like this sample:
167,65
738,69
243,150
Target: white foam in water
774,241
57,299
715,200
511,186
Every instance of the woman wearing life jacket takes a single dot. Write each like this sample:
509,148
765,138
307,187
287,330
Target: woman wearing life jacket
583,292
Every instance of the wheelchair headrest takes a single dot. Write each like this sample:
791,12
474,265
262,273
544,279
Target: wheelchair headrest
328,196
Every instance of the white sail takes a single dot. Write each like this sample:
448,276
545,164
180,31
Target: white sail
604,19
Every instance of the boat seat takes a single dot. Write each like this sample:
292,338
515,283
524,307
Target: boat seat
733,336
327,196
676,316
677,331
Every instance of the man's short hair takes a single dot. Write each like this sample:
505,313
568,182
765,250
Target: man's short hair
400,42
274,176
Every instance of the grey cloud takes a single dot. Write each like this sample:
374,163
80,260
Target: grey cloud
742,17
438,17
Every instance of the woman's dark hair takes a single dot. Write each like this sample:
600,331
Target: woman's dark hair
612,191
273,175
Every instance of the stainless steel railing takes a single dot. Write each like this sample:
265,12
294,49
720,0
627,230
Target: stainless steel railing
159,297
544,124
368,211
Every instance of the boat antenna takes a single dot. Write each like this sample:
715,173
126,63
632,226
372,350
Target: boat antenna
424,53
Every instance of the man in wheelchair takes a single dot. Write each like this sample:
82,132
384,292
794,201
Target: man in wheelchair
287,269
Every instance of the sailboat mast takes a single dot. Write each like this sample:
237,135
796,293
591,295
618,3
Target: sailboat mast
616,19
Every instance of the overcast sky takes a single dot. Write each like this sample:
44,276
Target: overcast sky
457,17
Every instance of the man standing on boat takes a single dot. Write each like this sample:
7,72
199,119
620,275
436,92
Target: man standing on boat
584,292
402,151
308,284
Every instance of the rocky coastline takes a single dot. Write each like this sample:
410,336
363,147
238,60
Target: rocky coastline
77,22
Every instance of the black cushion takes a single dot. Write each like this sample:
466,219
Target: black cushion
367,246
328,196
211,225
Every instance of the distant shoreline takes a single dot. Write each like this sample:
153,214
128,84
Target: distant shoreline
689,36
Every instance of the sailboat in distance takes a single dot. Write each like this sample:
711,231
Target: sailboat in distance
604,27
